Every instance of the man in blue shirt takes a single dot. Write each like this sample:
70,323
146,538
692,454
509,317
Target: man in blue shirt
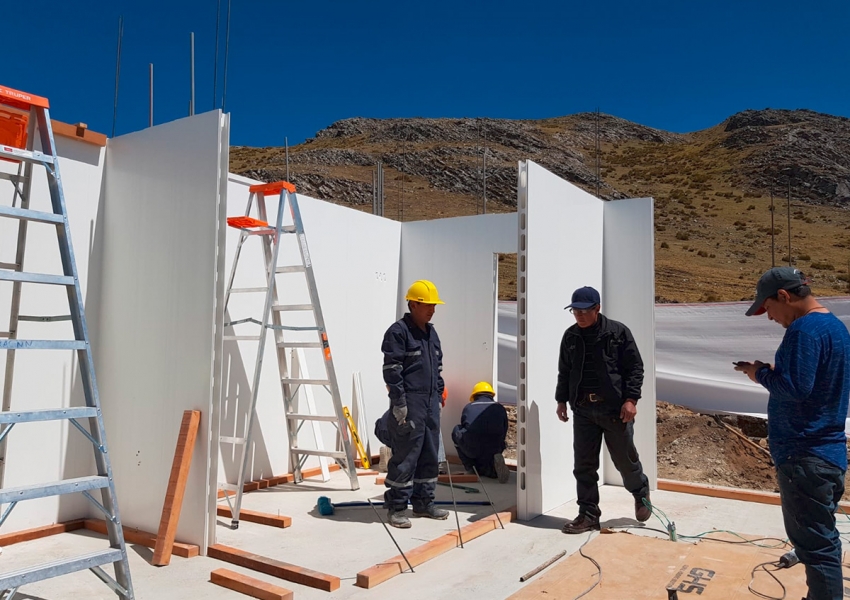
809,389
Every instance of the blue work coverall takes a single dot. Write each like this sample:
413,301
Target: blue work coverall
413,362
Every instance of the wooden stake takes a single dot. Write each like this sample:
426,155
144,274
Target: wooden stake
176,487
249,586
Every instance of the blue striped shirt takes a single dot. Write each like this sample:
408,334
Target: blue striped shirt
809,389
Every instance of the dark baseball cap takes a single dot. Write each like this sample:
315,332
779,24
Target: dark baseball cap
777,278
584,298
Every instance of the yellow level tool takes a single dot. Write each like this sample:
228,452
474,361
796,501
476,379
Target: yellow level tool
364,458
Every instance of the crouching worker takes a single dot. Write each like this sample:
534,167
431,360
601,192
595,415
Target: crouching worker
413,362
480,437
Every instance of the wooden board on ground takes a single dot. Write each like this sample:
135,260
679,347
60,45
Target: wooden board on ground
642,568
373,576
25,535
176,488
249,585
275,568
254,516
143,538
717,491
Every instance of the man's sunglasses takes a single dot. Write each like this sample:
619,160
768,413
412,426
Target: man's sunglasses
583,311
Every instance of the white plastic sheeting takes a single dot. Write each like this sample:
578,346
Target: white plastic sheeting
697,344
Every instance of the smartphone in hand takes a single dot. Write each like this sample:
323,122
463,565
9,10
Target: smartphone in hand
740,363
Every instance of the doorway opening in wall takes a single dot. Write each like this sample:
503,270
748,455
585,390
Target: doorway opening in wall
506,346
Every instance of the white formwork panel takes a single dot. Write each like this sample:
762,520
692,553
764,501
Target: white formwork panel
355,259
157,317
560,250
458,256
49,451
629,297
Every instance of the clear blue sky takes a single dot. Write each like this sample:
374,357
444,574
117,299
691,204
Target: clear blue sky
296,67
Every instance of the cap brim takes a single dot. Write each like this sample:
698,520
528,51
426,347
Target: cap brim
757,308
581,305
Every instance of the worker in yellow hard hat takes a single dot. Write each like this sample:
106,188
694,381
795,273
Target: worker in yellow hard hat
413,364
480,437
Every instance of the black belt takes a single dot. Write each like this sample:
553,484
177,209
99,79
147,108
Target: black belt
592,397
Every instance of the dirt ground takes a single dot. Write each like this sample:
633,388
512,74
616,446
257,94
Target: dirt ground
728,451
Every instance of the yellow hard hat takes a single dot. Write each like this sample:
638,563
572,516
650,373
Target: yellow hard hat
482,387
423,291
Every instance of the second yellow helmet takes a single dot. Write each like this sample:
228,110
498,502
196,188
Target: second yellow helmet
482,387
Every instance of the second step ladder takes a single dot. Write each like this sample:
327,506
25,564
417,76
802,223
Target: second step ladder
291,378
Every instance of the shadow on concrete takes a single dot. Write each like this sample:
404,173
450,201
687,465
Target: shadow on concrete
143,551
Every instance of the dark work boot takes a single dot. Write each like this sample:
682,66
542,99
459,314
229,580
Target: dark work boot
642,508
397,518
581,524
432,512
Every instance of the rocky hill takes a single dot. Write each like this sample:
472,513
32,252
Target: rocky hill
712,187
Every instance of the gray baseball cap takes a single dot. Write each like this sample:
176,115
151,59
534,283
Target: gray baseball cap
777,278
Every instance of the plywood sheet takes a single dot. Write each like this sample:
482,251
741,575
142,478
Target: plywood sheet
639,568
560,249
458,256
628,269
157,317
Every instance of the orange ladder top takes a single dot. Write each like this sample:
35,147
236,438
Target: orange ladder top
21,100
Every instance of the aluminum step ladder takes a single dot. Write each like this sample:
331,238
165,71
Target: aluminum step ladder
291,376
31,112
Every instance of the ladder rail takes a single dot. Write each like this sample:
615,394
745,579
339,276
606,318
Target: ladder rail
320,323
15,309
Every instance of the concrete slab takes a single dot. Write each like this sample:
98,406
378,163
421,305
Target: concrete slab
352,540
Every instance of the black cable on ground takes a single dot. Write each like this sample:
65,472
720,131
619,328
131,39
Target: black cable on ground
598,568
763,567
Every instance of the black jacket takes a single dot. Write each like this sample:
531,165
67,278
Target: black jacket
483,427
621,376
413,361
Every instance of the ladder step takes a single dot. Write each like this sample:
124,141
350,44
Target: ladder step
299,345
231,440
64,566
33,156
247,290
291,307
288,229
42,345
328,453
35,278
31,215
56,488
239,338
309,417
5,265
48,414
291,269
291,381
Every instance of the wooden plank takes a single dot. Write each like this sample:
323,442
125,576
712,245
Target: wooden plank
143,538
78,132
256,517
249,585
397,565
716,491
442,479
176,488
268,482
25,535
364,473
273,567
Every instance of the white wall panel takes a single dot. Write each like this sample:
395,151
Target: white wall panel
458,256
356,260
157,317
560,249
42,452
629,297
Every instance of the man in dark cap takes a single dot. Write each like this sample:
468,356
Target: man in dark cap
600,375
809,387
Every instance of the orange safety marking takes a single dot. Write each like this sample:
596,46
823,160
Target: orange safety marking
13,131
245,222
20,99
269,189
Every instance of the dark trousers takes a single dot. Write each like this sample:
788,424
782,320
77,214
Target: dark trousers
810,489
413,469
591,423
483,463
